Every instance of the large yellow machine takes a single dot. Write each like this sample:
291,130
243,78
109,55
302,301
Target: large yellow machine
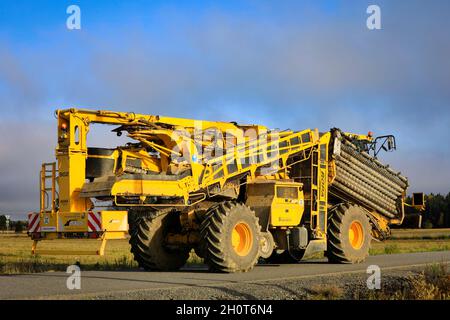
233,193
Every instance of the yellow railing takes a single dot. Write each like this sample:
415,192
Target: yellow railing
48,172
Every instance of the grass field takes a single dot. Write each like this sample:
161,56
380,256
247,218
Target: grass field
15,256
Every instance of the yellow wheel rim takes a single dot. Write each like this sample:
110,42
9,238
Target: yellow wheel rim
356,235
241,239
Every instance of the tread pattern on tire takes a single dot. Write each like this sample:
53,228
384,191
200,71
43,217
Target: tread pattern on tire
336,252
147,247
212,231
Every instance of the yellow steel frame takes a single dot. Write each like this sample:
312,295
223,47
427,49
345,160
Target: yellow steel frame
99,252
363,137
319,186
48,168
72,153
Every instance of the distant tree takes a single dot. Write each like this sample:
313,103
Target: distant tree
447,212
19,226
436,212
435,215
2,222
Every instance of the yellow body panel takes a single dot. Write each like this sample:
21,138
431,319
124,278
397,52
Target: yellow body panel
287,208
114,221
48,222
150,187
111,221
269,197
72,222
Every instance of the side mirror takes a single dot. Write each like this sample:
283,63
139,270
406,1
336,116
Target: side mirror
385,143
418,201
390,143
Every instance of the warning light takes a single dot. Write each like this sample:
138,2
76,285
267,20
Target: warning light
64,126
370,134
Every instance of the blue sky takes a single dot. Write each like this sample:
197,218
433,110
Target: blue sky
285,64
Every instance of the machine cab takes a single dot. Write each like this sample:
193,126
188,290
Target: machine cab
277,203
287,205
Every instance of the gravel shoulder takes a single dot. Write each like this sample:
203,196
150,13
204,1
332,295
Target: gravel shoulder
339,286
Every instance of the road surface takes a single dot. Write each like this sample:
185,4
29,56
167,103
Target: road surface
94,283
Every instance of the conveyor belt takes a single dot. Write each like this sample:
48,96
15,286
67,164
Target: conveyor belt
364,180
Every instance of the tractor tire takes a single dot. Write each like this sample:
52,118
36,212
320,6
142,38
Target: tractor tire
147,239
230,238
205,221
134,218
349,234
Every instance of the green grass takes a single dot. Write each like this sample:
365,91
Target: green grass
392,248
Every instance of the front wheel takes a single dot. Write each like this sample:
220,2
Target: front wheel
230,238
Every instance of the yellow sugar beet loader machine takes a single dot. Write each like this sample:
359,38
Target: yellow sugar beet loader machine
233,193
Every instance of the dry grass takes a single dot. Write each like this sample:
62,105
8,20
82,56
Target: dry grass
402,234
15,253
404,246
16,257
409,246
433,283
325,292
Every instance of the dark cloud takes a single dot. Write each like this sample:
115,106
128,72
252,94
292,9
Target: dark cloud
23,147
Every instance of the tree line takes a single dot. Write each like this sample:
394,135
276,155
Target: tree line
437,211
17,226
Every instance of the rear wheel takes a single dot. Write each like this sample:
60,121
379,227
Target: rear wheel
230,238
148,242
349,234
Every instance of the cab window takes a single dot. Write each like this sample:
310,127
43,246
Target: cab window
287,192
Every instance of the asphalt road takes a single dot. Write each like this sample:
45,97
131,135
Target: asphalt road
53,284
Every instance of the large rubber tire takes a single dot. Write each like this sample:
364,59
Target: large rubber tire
134,218
147,237
344,245
217,230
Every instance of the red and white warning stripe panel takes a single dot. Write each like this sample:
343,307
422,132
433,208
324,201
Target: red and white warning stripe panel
34,222
94,221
